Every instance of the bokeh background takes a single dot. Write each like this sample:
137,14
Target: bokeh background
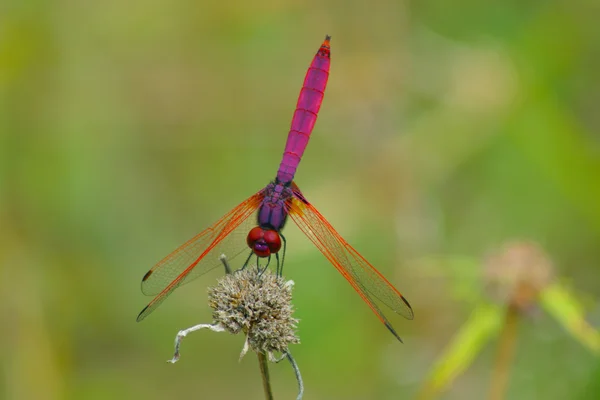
447,131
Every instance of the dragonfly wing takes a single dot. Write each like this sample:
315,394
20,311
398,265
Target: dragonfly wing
200,254
364,278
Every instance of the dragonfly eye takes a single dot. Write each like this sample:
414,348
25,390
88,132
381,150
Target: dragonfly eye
263,242
254,236
273,241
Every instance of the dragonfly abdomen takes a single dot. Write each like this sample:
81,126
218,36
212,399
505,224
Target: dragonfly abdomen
305,116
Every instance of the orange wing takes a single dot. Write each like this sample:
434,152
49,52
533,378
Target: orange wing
201,253
363,277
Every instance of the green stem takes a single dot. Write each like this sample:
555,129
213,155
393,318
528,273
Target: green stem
505,354
264,372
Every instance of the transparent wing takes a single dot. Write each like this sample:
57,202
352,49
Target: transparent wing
200,254
363,277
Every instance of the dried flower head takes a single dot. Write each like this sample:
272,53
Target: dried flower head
516,274
257,304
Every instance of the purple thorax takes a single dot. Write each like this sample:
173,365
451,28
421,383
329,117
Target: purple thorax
272,212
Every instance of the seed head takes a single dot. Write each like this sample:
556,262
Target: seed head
517,273
257,304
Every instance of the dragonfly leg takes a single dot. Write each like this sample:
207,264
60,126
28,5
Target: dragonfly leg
280,267
246,262
265,268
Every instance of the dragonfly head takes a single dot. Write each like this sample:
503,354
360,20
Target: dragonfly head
263,242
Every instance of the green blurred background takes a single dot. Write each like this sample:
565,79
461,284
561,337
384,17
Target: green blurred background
447,129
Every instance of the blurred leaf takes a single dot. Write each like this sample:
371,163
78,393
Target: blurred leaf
563,306
483,323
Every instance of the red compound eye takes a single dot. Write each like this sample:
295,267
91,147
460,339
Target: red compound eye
263,242
273,241
256,241
254,235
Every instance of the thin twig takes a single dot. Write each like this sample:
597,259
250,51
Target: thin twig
223,259
264,372
504,355
183,333
298,376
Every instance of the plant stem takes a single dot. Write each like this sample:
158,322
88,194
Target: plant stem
264,372
223,259
298,376
505,354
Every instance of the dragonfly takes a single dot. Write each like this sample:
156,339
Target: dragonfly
255,226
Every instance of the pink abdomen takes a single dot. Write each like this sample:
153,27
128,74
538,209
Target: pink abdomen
305,116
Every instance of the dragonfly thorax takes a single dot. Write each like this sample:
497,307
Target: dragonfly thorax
272,212
263,242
